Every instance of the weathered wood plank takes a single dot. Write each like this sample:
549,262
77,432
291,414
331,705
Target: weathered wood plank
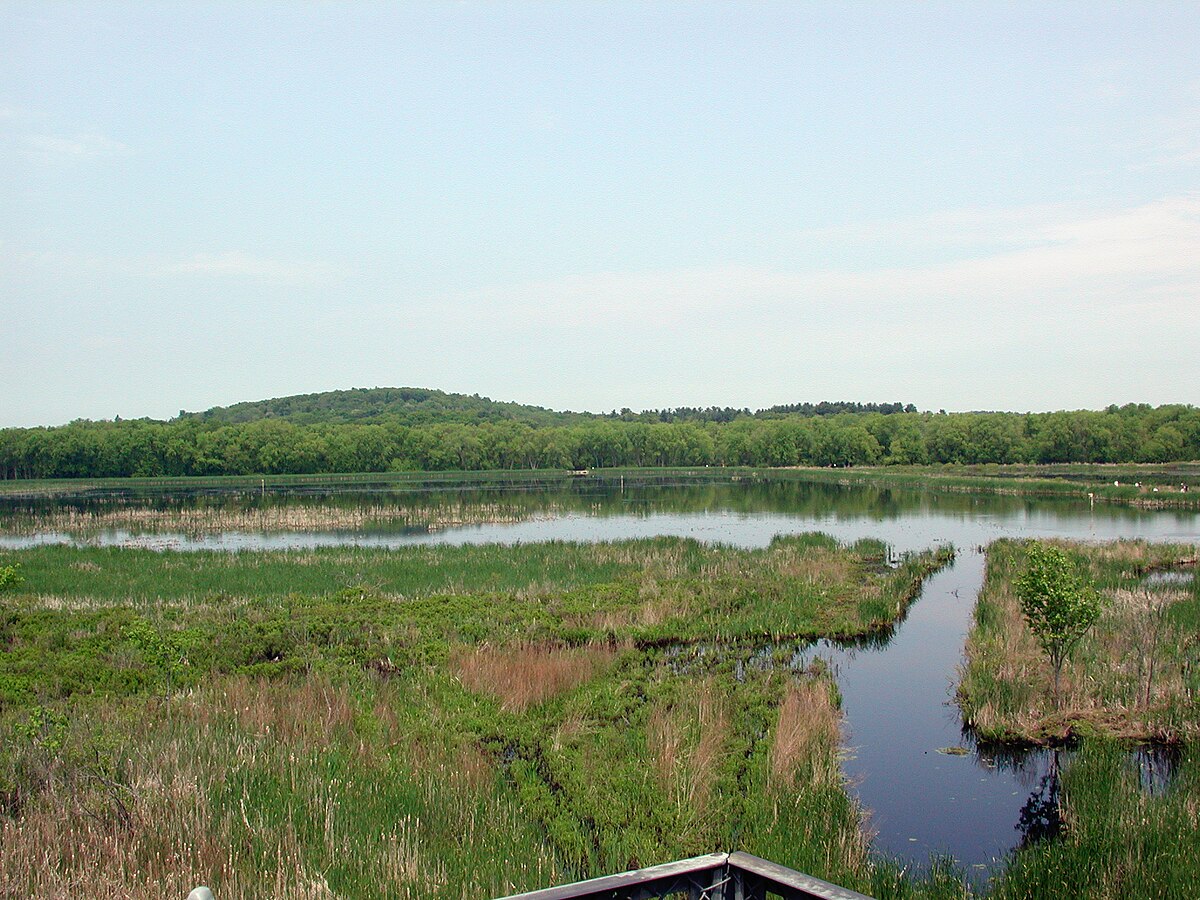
716,876
627,883
800,885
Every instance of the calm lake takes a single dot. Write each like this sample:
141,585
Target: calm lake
898,698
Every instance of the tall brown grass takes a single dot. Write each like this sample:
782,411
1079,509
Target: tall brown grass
807,818
311,714
813,565
686,740
183,810
808,723
525,675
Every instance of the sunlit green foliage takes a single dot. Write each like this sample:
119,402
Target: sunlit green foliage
10,577
1058,604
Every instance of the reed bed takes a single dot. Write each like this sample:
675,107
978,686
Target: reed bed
208,790
796,808
808,722
660,589
1131,678
1120,841
686,741
301,517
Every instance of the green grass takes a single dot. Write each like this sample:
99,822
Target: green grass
1120,842
260,788
435,721
280,611
474,721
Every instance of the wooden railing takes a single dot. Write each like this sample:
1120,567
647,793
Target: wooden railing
717,876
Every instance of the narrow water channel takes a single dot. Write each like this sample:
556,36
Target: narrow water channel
901,720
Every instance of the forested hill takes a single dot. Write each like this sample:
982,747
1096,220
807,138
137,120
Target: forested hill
425,406
403,406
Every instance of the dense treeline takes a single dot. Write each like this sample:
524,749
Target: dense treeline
826,408
730,413
193,446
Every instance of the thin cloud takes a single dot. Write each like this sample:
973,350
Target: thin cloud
1172,141
1102,261
987,228
77,147
233,264
1171,160
236,264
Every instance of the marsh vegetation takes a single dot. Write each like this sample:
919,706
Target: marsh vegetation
473,720
1133,678
450,721
1135,674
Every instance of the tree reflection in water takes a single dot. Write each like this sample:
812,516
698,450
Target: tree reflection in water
1041,816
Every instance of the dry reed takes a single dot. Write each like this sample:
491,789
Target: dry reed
807,725
199,520
525,675
183,813
686,741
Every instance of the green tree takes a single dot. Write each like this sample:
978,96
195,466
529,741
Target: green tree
1058,603
161,652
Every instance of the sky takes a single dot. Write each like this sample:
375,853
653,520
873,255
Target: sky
601,205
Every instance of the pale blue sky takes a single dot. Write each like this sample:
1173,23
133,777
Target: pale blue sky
597,205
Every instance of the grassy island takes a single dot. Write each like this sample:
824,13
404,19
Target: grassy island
1133,681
